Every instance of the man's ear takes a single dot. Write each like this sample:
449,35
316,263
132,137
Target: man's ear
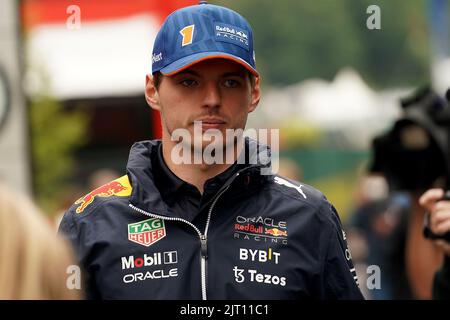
255,94
151,93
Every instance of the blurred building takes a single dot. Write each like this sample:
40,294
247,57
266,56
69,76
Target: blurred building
347,108
94,55
14,158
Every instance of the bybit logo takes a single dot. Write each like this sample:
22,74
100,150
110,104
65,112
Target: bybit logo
259,255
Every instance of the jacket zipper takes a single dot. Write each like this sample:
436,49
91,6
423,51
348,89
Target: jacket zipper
204,241
203,237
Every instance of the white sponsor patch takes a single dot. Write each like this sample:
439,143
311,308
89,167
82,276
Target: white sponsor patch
165,263
288,184
261,256
252,275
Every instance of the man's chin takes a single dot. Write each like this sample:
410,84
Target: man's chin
211,144
199,140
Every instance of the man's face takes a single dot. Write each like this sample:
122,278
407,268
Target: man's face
217,92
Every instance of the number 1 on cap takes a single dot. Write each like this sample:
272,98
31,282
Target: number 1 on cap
188,35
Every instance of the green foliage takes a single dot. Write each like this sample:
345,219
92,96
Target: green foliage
301,39
399,52
296,134
54,135
339,191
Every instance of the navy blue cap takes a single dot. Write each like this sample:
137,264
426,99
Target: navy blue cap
199,32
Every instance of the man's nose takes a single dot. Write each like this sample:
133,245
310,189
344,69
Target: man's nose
212,95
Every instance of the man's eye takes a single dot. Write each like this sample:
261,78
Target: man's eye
189,83
230,83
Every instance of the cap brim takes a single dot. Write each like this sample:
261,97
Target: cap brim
188,61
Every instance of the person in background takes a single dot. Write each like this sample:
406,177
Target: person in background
438,224
377,233
33,259
102,176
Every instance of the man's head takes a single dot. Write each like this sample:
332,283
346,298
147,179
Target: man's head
202,32
203,70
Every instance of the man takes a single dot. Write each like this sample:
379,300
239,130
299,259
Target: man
177,228
437,226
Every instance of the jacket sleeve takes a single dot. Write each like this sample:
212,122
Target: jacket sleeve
441,283
75,232
341,281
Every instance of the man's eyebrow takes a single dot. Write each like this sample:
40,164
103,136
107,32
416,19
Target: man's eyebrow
235,74
187,72
241,74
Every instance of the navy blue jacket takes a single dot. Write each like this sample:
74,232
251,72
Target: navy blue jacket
259,237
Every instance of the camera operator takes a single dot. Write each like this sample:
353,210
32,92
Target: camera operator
414,157
438,228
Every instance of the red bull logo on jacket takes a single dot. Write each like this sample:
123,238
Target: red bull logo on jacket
118,187
276,232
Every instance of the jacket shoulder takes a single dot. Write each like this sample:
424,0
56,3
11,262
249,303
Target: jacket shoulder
298,191
305,196
117,189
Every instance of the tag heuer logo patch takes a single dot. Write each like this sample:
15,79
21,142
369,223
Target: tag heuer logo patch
147,232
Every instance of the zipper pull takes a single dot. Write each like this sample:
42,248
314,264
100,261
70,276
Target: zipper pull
204,247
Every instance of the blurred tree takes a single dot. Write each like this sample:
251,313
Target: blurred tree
54,135
296,40
399,53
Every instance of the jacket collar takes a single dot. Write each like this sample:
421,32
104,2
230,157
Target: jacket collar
146,195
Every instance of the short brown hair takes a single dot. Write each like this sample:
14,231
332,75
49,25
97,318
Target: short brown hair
157,77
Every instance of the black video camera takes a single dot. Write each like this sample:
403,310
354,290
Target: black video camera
415,153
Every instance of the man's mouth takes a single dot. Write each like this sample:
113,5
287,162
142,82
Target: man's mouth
210,123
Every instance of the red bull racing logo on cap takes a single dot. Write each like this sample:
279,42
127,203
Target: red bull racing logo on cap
118,187
231,34
147,232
